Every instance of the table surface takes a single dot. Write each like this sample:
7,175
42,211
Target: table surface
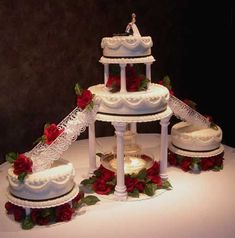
199,205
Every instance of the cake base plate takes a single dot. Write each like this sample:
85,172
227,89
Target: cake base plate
199,154
44,203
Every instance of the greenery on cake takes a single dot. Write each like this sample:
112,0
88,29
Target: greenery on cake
135,79
146,181
47,216
214,163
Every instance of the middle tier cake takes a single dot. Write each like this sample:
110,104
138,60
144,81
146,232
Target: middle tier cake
151,101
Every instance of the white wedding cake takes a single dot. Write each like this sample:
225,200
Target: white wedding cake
43,185
134,93
190,137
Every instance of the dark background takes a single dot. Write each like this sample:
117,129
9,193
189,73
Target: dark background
47,46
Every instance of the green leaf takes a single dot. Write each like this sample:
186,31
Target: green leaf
90,200
22,176
166,184
142,175
11,157
134,194
27,223
87,182
46,125
217,168
150,189
46,212
78,89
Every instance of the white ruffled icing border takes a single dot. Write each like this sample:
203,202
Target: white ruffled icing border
199,154
44,204
147,59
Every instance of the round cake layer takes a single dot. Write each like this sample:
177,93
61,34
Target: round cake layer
192,138
47,184
147,102
126,46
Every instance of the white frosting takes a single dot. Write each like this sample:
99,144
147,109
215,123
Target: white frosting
139,60
190,137
126,46
46,184
151,101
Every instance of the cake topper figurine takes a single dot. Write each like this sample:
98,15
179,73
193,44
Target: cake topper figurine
131,28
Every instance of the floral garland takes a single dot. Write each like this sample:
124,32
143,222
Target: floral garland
147,181
46,216
134,81
214,163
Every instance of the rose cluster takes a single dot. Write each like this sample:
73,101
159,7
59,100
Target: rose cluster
134,82
46,216
147,181
214,163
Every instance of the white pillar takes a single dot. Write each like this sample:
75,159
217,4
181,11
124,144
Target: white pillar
148,71
27,210
106,73
120,189
164,147
133,127
92,149
123,78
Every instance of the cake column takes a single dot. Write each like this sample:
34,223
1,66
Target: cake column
148,71
123,78
92,149
106,73
164,147
120,189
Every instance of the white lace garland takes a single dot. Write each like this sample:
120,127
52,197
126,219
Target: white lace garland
73,125
185,113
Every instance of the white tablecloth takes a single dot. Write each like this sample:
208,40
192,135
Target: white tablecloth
199,205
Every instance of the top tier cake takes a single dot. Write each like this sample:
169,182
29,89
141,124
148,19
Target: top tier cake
129,44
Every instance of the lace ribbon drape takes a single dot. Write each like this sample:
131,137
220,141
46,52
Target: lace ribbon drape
185,113
73,125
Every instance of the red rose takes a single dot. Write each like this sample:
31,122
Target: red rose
106,174
51,133
84,99
140,186
219,160
130,183
64,212
133,84
172,159
9,207
78,197
39,218
114,83
207,163
155,169
156,179
34,215
22,164
101,187
185,164
19,213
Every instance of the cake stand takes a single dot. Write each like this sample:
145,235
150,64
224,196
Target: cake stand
120,123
